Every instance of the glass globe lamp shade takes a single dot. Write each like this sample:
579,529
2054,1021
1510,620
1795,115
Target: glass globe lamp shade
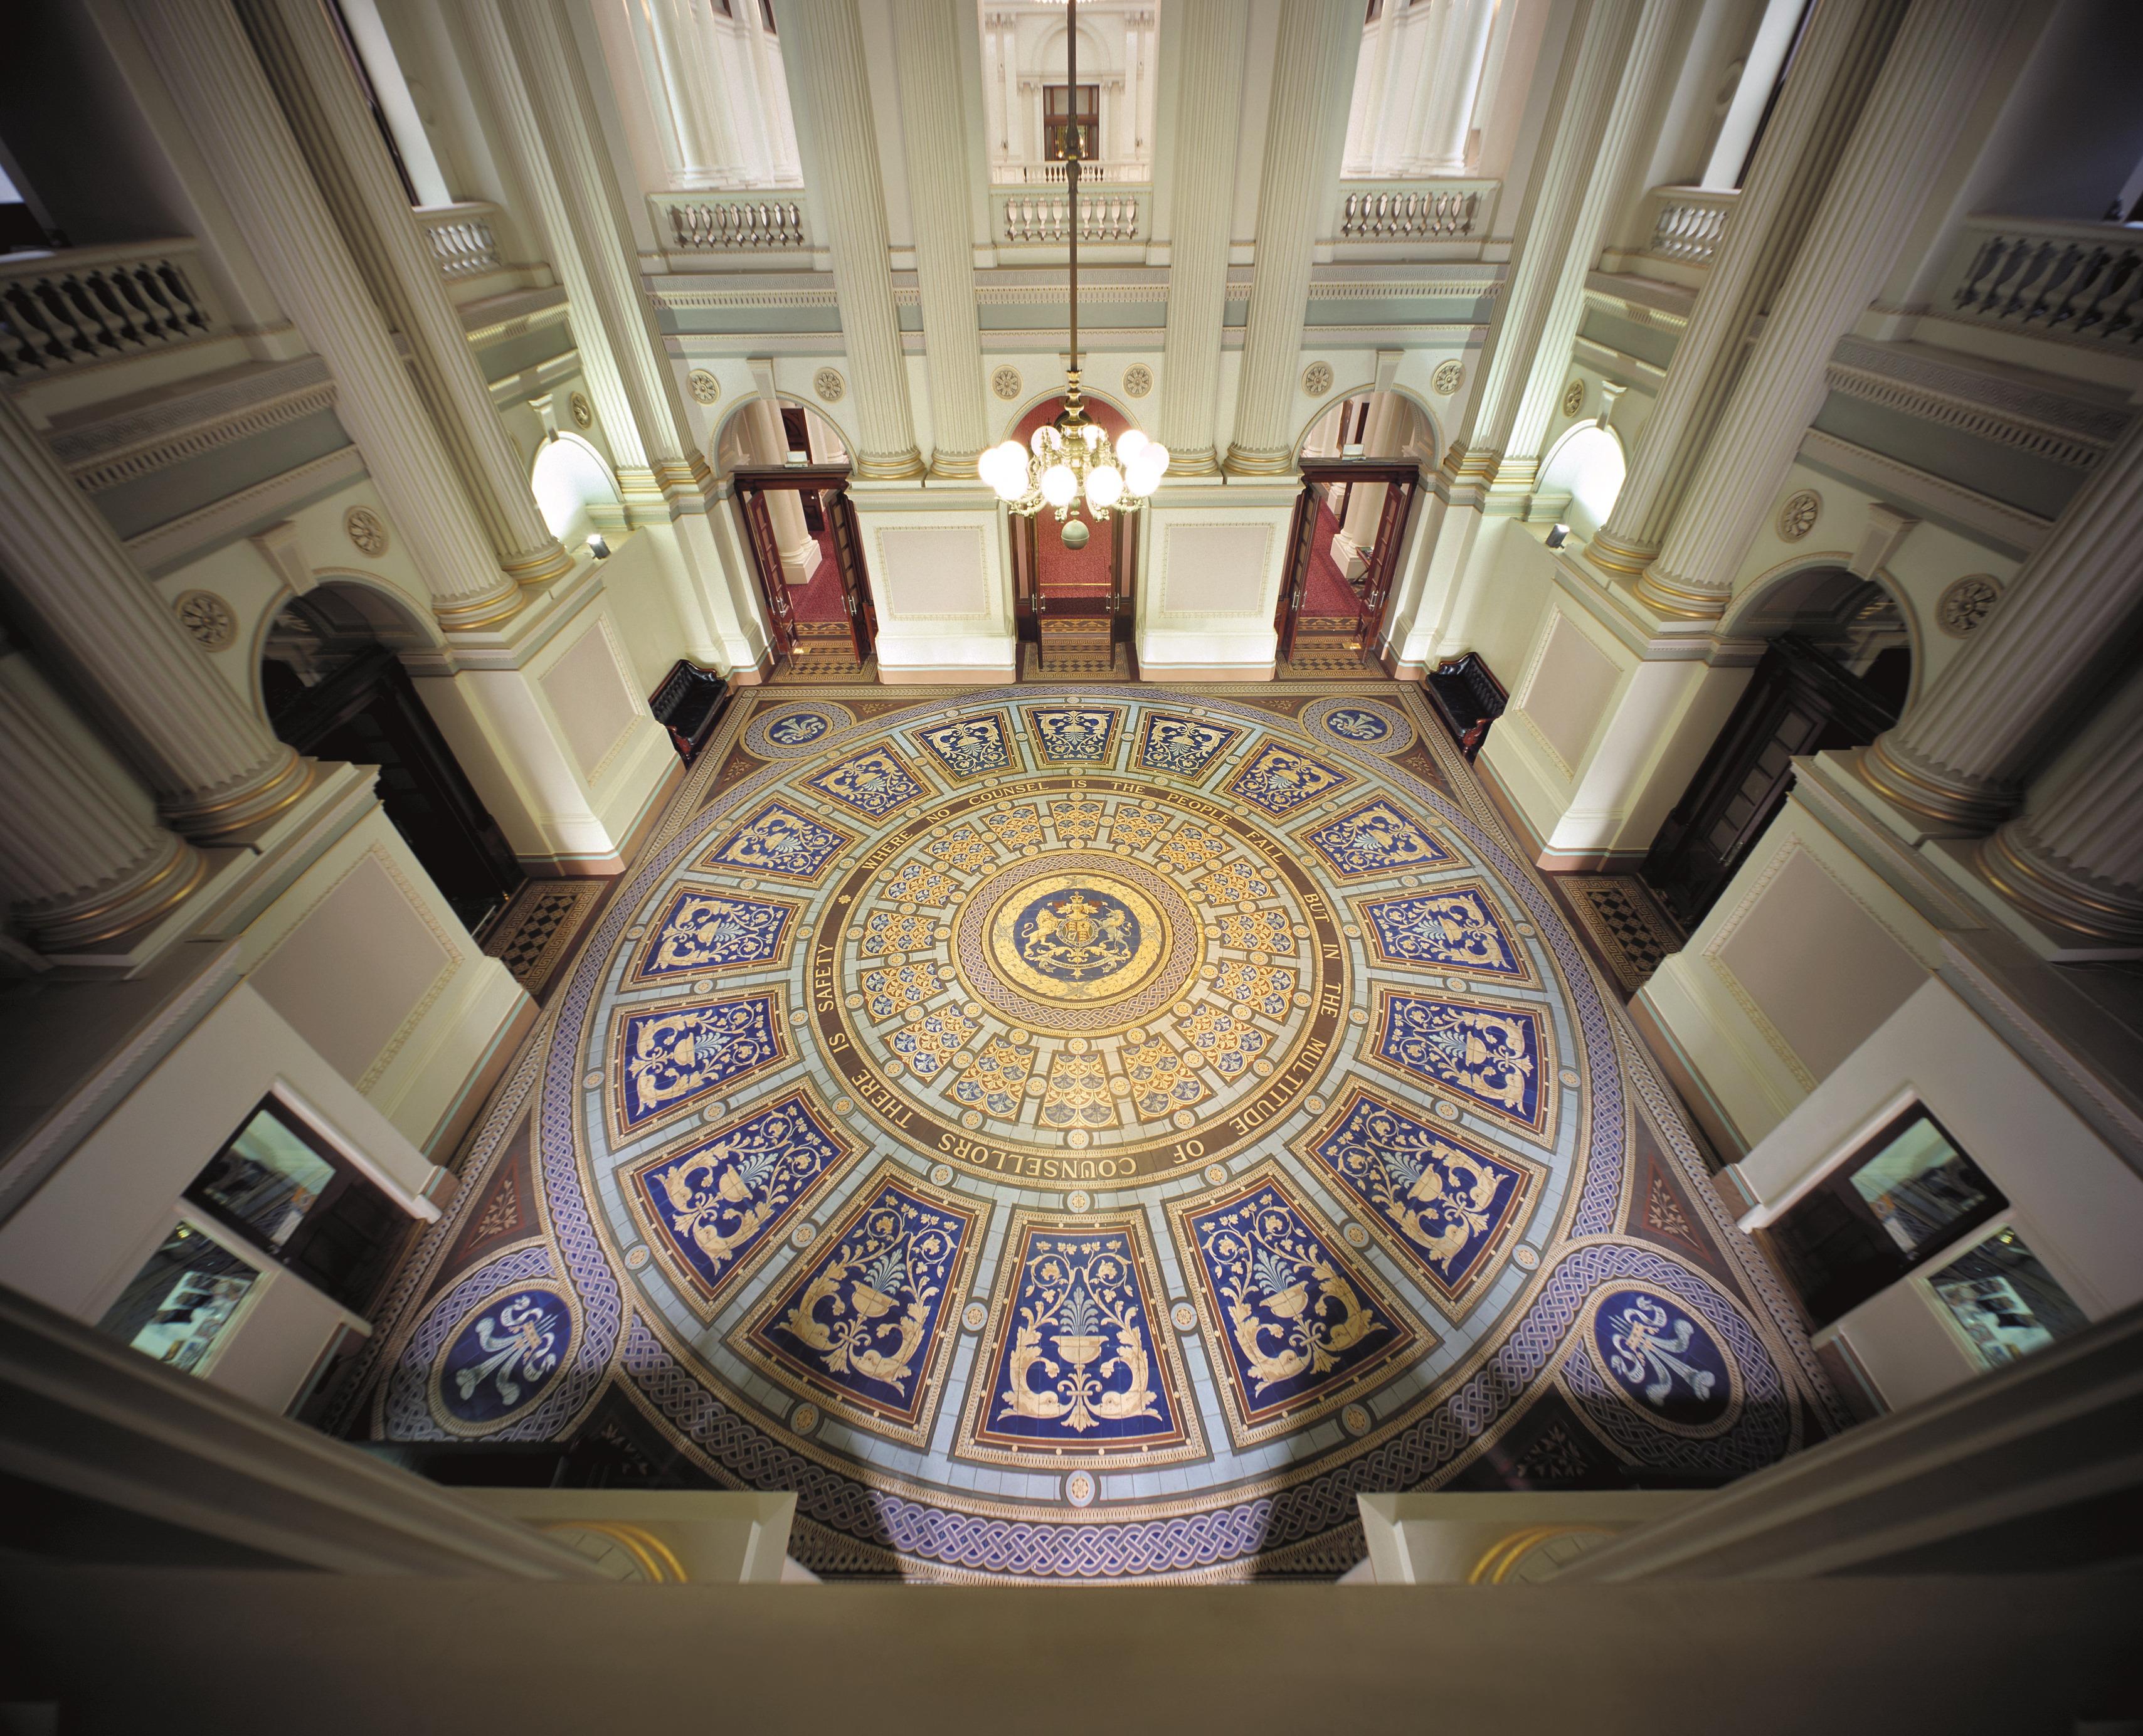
1105,486
1143,474
1129,444
1059,485
1045,439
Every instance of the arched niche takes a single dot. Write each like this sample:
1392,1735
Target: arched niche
751,436
1867,626
1581,479
1397,425
576,491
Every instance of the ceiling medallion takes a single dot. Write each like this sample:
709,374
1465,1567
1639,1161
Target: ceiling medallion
1964,607
1573,397
828,385
1138,380
1317,379
363,527
1447,379
1072,457
1005,382
703,387
1798,516
207,617
584,413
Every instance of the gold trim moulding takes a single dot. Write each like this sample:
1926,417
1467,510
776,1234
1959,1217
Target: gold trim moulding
488,610
2038,894
248,808
134,907
540,567
1900,783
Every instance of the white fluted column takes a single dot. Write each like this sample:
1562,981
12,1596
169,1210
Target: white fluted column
212,763
926,41
226,100
1462,54
1312,62
311,74
1211,36
698,132
81,856
2075,855
1960,755
1834,70
1943,54
829,69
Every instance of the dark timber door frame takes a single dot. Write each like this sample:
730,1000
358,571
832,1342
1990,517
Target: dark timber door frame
1404,480
824,490
1798,702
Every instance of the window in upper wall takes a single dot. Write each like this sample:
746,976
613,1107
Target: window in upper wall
1030,114
283,1188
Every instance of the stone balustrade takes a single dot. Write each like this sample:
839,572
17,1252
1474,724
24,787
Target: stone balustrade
1023,218
1685,223
2081,281
462,238
1055,174
87,305
772,222
1418,210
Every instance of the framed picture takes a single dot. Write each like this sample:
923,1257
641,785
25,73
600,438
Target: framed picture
181,1307
280,1185
2003,1301
1907,1193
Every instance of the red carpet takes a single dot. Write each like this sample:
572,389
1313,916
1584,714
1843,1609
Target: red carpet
1328,594
1065,572
821,599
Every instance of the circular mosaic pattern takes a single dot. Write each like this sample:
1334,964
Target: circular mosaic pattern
1573,397
1448,378
796,731
1355,723
1005,382
703,386
1798,516
1138,380
1317,379
506,1354
1236,1066
211,620
363,528
1963,608
829,385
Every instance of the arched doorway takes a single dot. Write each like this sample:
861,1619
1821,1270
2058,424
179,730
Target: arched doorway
791,471
1077,608
1361,466
1838,674
333,686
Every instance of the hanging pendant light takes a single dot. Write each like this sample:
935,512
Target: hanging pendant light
1071,460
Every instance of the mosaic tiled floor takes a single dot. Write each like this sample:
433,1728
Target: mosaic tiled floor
1625,921
1081,1132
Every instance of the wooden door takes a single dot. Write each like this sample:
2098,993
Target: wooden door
848,557
1384,560
766,556
1798,702
1295,580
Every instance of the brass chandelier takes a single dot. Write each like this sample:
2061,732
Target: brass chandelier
1072,458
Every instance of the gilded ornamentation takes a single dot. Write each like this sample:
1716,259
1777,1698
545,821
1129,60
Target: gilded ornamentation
1161,1080
1075,734
860,1323
1798,516
703,386
674,1056
970,746
1280,779
1263,987
890,993
1017,829
995,1078
1493,1056
1317,379
1076,1094
1444,1201
778,840
1375,838
1075,823
211,620
918,883
705,930
1453,928
363,528
1296,1325
932,1041
1448,378
1005,383
1964,606
965,850
874,782
829,385
890,931
710,1206
1183,747
1138,380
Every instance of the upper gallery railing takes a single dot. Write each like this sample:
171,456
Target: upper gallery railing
96,304
2081,281
1054,174
1416,210
1685,223
772,221
1041,216
461,237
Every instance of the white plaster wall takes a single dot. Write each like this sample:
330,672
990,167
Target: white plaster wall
941,582
2075,1202
1210,582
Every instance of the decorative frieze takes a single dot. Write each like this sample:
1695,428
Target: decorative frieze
115,449
2051,425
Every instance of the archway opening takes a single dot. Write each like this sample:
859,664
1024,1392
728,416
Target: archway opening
791,467
1838,673
575,491
1579,483
333,686
1076,607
